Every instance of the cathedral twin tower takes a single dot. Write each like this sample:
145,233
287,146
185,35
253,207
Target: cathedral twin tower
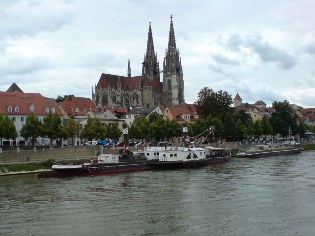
146,90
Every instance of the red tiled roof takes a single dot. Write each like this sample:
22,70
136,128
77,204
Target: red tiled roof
23,101
14,88
260,102
237,97
77,104
126,83
178,110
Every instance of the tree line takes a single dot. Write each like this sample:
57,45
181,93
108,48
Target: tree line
215,110
51,127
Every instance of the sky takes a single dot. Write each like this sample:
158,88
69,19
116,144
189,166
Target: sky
263,50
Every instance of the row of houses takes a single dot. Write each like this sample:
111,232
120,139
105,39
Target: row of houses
259,109
18,105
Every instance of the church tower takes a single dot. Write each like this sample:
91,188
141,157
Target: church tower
150,65
173,83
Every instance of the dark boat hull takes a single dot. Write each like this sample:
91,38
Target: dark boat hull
269,153
178,164
218,159
97,169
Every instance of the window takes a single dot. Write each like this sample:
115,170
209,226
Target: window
13,118
53,110
47,110
22,118
32,108
16,109
9,109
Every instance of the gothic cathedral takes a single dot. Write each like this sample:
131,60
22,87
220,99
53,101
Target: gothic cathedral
146,90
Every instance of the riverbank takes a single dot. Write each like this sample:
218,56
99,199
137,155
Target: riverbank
39,166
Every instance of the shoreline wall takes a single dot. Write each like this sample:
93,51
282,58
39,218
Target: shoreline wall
62,153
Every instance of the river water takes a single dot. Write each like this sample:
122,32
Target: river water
267,196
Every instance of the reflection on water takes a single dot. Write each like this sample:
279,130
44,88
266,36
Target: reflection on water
268,196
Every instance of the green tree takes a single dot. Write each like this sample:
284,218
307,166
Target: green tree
94,130
141,128
282,118
72,129
158,127
7,128
52,127
218,131
216,104
230,126
240,129
245,118
173,129
32,128
266,126
258,130
114,132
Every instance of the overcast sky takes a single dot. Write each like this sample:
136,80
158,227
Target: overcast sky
264,50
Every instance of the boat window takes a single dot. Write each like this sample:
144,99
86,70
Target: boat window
164,155
171,155
175,155
148,154
189,156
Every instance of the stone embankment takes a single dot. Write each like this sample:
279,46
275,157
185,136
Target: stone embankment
58,154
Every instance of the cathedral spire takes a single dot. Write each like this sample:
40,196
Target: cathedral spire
150,67
173,83
171,38
129,69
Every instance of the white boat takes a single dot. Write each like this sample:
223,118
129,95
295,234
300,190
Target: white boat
180,157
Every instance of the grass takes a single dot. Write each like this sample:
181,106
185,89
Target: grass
308,147
26,166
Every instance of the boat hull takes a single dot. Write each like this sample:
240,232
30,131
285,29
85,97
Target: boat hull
269,153
97,169
178,164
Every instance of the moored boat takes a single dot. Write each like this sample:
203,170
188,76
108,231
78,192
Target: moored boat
180,157
268,150
216,155
104,164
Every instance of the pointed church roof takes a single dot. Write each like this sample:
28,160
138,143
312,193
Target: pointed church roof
14,88
171,38
237,97
150,67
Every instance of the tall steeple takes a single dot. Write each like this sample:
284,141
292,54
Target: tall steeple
173,83
150,65
129,69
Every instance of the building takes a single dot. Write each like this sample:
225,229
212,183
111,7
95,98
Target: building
146,90
130,116
18,105
182,113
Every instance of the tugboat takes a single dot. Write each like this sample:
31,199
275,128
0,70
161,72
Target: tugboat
102,165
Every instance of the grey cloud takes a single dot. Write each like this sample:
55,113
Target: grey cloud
15,22
268,53
234,42
310,48
224,60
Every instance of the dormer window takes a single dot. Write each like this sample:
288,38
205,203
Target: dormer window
9,109
47,109
32,108
16,109
53,110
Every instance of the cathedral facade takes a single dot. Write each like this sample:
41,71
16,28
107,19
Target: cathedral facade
146,90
